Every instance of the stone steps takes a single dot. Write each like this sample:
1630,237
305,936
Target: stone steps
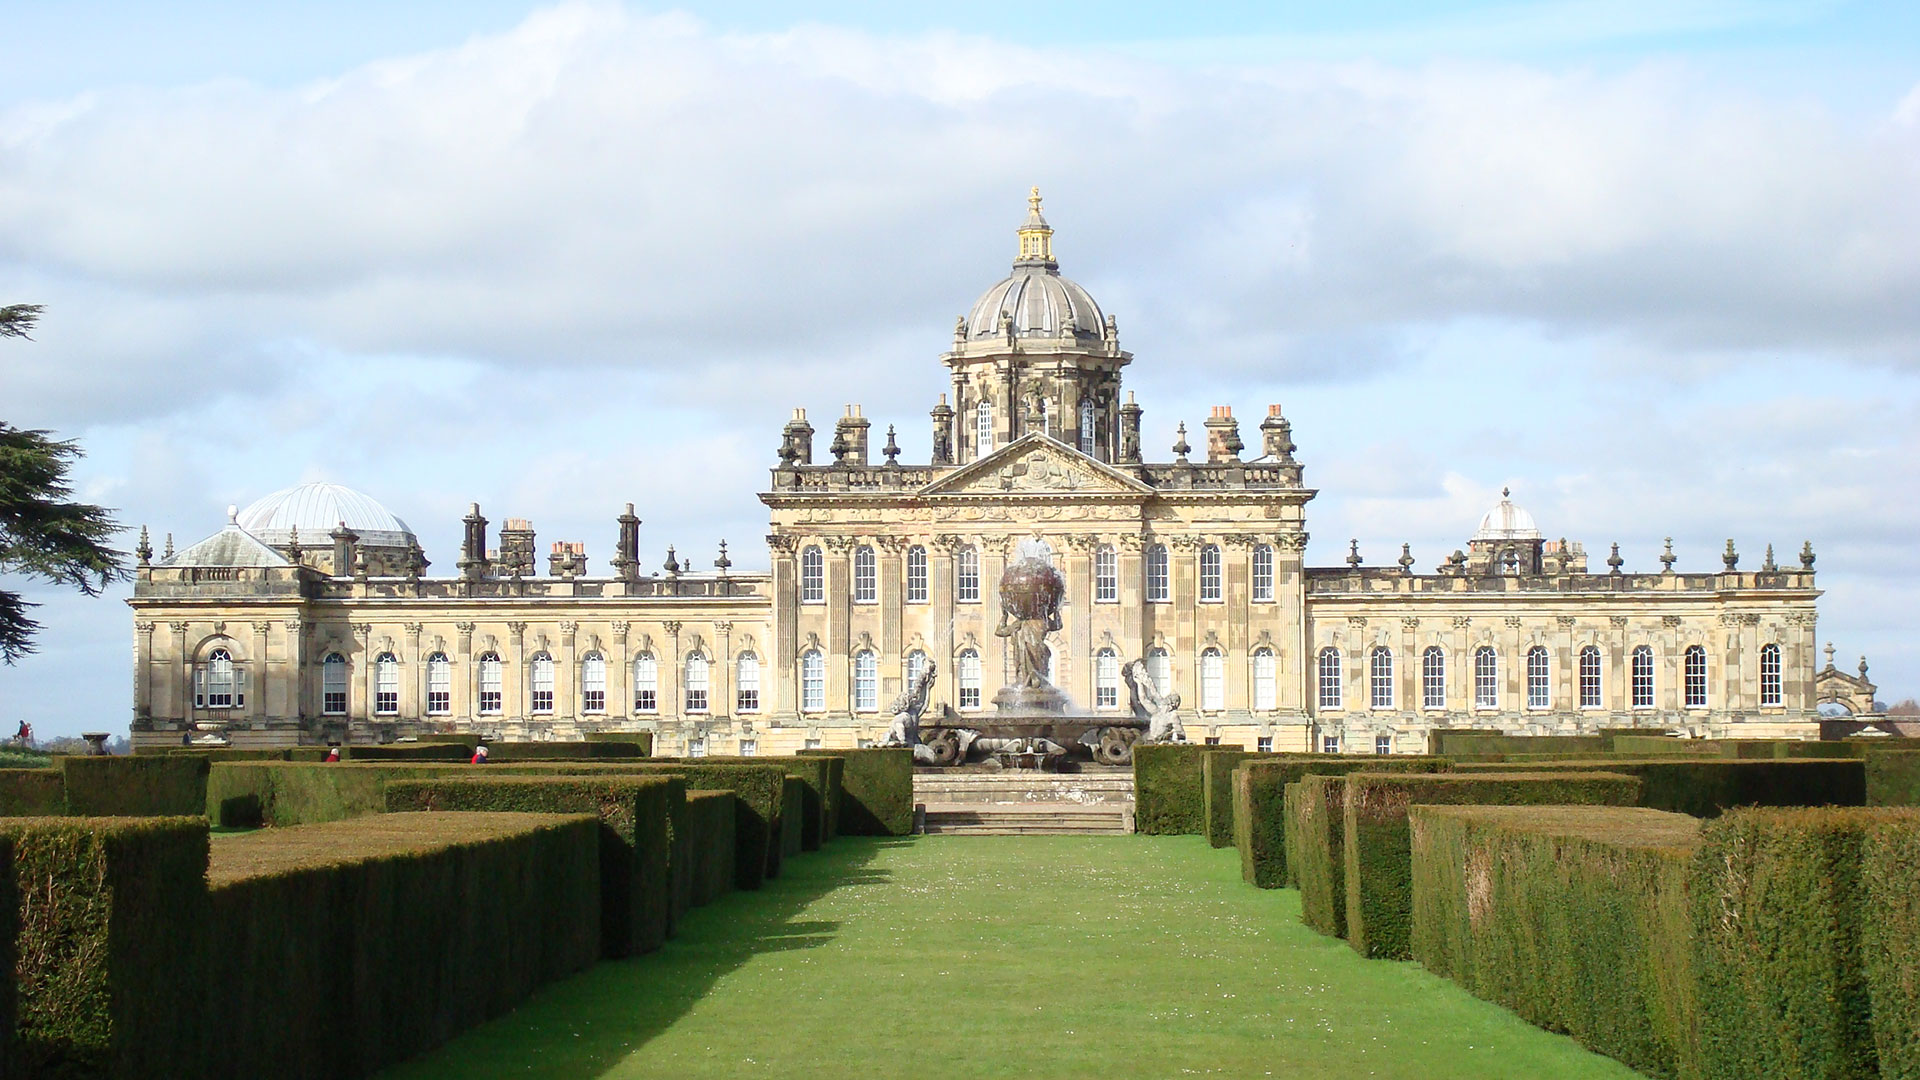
1026,819
1023,788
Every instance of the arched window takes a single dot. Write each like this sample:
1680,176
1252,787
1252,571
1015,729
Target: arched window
386,684
491,695
866,681
1590,677
1160,670
813,681
866,576
1486,678
1213,680
1106,574
1380,678
1643,677
646,684
333,685
916,575
746,683
1159,580
966,574
983,430
1106,679
593,683
1696,665
915,663
1539,679
696,683
542,683
1266,687
217,683
967,675
1770,675
1210,572
1263,572
813,576
439,685
1433,678
1087,442
1331,692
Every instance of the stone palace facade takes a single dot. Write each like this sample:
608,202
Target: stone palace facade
310,618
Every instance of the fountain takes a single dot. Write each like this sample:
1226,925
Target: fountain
1033,725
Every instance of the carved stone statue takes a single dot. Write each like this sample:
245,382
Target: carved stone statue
1163,723
906,710
1030,595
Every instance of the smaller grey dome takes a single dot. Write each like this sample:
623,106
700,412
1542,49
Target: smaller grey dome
1507,522
316,510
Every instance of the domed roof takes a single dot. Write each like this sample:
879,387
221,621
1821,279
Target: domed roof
1507,522
1040,301
316,510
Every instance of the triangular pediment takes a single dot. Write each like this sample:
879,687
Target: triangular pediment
1037,465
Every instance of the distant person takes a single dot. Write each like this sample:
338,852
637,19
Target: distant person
333,754
24,736
479,756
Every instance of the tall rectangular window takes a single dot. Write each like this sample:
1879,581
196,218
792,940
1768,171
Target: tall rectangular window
491,695
866,577
1262,572
439,685
967,675
1160,670
983,430
333,685
746,683
966,574
1106,574
1210,572
1696,672
1331,692
1642,677
1486,678
1590,677
1539,679
1380,678
646,684
813,681
1433,678
1265,685
1106,680
542,683
1159,575
696,680
386,685
1213,681
593,683
1770,694
866,681
813,576
916,575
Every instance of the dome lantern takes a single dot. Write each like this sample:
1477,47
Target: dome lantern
1036,236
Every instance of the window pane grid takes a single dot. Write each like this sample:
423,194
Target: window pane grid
916,575
1433,678
593,683
1770,687
866,581
1590,677
1213,679
813,576
1265,685
966,575
1159,583
1380,678
386,685
747,683
646,684
333,685
1696,673
813,681
968,675
866,682
1486,678
1331,694
1262,572
1106,575
1210,572
696,679
490,692
1539,681
1643,677
439,685
542,683
1106,680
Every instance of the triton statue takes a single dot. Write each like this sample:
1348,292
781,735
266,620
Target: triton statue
1160,710
906,710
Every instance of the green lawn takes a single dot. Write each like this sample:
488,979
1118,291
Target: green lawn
1103,957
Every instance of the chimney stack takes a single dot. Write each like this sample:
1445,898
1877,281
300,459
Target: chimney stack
850,438
796,440
626,555
1223,436
1129,432
1276,436
516,548
473,545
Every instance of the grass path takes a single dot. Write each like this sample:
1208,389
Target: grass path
974,957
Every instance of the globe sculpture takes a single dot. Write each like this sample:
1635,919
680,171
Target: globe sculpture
1030,595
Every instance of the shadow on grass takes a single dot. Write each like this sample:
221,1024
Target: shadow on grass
591,1022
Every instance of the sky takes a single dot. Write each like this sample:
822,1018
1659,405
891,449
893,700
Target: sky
1655,266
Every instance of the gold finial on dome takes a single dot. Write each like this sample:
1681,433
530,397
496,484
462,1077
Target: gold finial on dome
1036,236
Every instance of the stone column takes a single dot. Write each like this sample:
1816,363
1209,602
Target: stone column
1293,667
360,674
619,674
720,697
293,694
413,690
891,611
1566,670
1133,600
1073,654
142,678
1236,590
783,649
1619,687
1408,667
943,613
466,690
1460,669
257,672
1184,579
182,673
839,611
994,553
513,689
566,679
673,705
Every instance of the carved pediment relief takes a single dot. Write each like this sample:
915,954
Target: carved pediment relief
1036,465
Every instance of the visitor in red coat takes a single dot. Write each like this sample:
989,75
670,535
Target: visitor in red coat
333,754
479,756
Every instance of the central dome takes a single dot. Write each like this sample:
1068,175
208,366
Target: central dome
1507,522
316,510
1035,301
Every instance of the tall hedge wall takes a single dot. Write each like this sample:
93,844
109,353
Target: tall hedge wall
1706,787
565,751
243,793
1316,850
807,828
1216,791
762,793
1893,778
108,970
424,751
876,790
636,826
1783,987
1467,742
1259,811
1169,788
641,739
9,946
144,786
1890,947
1378,852
709,860
1576,918
341,948
32,793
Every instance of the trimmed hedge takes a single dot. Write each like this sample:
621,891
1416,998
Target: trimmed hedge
1216,791
32,793
340,948
793,811
636,828
108,971
1707,787
1259,812
1378,852
498,752
1777,917
1889,867
1315,810
1468,742
814,773
9,947
426,751
155,786
247,793
641,739
876,790
709,852
1893,778
762,792
1576,918
1169,788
